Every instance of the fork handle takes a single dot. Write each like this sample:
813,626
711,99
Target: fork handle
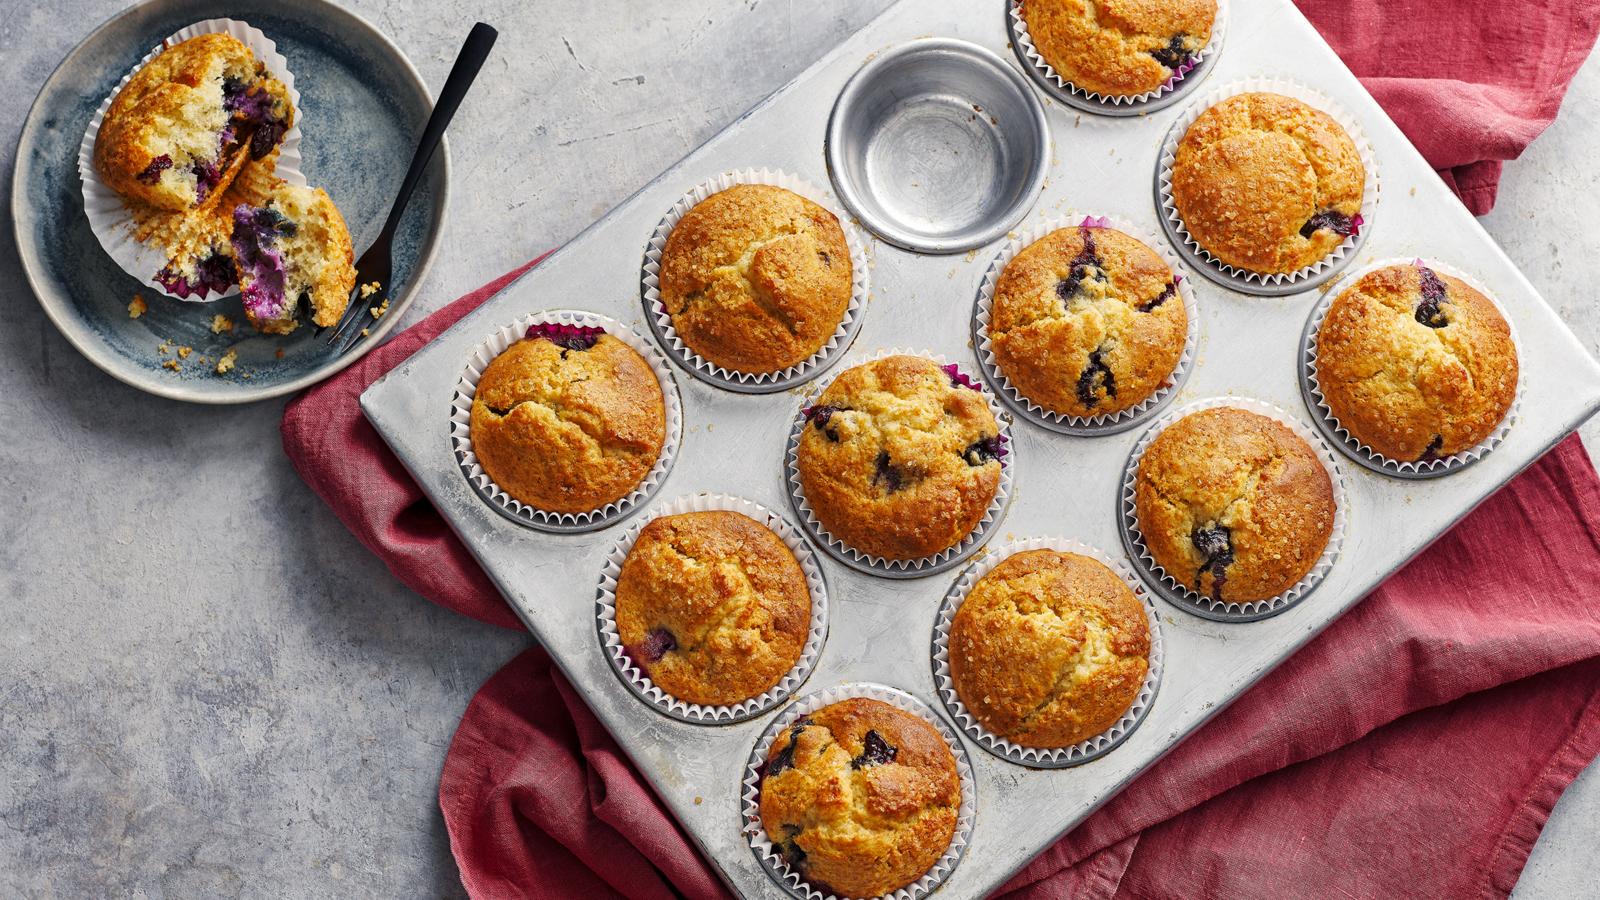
473,53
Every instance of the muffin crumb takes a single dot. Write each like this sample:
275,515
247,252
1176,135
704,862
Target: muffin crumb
221,323
225,364
137,306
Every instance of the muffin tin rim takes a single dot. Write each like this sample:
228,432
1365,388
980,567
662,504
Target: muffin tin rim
1045,757
1346,442
657,697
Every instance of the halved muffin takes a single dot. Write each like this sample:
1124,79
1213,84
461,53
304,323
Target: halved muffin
295,247
184,125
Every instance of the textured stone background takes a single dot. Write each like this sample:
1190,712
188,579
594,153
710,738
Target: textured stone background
207,687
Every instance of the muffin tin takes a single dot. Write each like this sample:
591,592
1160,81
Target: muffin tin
880,628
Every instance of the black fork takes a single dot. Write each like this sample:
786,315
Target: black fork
376,266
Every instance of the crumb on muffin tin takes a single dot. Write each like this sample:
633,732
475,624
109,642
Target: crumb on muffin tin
712,606
1416,364
1087,321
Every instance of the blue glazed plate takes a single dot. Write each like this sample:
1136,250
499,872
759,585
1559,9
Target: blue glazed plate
363,106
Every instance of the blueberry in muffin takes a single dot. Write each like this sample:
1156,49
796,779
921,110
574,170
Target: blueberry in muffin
183,126
1119,48
899,458
1268,184
1087,321
1416,364
568,419
1049,649
293,250
712,606
1233,504
756,278
860,798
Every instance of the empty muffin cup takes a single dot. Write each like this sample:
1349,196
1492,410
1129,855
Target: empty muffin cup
938,146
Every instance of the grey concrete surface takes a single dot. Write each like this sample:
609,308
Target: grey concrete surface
207,687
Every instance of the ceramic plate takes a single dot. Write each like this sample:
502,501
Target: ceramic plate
363,107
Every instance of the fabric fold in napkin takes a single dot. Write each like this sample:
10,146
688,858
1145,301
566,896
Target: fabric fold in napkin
1415,748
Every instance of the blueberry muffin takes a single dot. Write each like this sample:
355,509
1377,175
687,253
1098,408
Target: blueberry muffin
900,458
712,606
861,798
1268,184
1416,364
1049,649
184,125
568,419
756,278
294,248
1087,321
1233,505
1119,48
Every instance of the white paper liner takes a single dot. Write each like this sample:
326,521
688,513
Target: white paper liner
900,568
1024,40
1370,193
461,424
708,371
109,216
1346,441
641,684
1181,595
1043,757
1104,423
768,855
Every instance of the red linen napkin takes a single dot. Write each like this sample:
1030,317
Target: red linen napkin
1414,749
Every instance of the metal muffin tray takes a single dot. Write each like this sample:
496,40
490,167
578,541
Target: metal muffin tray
1068,486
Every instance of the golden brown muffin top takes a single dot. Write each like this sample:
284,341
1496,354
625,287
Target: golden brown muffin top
898,460
565,425
1049,649
1119,48
860,797
167,123
1233,505
1416,364
1087,321
756,278
1268,184
712,606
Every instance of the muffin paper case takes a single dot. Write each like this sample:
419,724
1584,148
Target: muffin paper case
1042,757
640,683
1221,610
1244,280
532,517
903,568
767,855
1087,426
1186,76
753,382
119,228
1328,423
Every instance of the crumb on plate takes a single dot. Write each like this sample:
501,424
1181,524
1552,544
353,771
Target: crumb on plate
137,306
221,323
370,288
226,362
